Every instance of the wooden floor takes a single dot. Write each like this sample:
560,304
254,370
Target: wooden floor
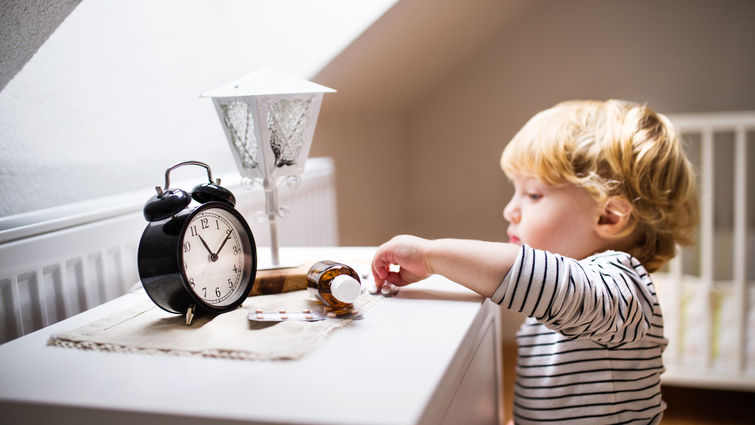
686,406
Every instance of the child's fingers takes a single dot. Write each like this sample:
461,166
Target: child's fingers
382,261
380,267
402,278
395,278
399,251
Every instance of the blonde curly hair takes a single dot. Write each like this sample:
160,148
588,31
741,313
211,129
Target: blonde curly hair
611,148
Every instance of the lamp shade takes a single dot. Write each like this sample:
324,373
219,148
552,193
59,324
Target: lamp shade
269,120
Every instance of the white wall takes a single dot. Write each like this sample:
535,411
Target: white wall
421,134
111,99
678,56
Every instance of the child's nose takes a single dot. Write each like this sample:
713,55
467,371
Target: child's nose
511,213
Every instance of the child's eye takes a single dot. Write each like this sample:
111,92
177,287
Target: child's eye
534,196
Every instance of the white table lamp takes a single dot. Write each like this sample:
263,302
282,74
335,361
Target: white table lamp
269,120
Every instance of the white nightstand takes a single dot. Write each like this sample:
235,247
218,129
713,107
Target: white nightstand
431,355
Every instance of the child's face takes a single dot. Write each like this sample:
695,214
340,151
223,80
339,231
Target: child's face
560,219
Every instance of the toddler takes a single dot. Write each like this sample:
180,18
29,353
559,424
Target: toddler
603,193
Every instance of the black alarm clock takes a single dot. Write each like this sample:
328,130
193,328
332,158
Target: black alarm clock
199,257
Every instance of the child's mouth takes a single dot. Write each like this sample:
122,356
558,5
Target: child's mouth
514,240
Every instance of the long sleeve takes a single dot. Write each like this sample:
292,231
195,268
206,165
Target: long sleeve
607,298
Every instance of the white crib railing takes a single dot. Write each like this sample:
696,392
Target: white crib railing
59,262
710,312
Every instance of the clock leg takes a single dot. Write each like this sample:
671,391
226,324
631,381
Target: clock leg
190,314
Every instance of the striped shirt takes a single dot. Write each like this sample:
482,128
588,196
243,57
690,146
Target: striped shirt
590,349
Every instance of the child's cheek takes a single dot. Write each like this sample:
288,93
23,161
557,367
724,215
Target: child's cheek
544,230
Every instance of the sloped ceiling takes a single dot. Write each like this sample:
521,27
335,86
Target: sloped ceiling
410,49
395,61
24,26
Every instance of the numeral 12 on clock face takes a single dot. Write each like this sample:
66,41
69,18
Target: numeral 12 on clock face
213,256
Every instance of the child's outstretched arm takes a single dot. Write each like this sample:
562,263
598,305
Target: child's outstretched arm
478,265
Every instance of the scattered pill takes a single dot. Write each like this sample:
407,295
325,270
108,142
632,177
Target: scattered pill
388,289
282,311
306,311
331,314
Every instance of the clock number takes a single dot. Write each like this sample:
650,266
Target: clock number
217,292
193,230
205,223
235,250
217,225
191,282
235,269
187,246
230,284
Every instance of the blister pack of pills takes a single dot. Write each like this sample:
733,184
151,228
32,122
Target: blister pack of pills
284,315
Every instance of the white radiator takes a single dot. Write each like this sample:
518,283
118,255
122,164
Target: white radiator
708,291
59,262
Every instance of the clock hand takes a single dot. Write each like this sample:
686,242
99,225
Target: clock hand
213,257
223,244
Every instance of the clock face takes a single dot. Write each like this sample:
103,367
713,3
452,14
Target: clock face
217,256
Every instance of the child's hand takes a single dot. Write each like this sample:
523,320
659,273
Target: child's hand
478,265
407,252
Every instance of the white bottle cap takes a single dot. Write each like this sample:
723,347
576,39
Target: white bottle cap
345,288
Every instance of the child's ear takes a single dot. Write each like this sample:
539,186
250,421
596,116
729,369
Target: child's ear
615,218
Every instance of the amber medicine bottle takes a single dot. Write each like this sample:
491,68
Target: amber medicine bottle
335,284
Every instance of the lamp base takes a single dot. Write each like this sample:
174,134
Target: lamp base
280,279
271,266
